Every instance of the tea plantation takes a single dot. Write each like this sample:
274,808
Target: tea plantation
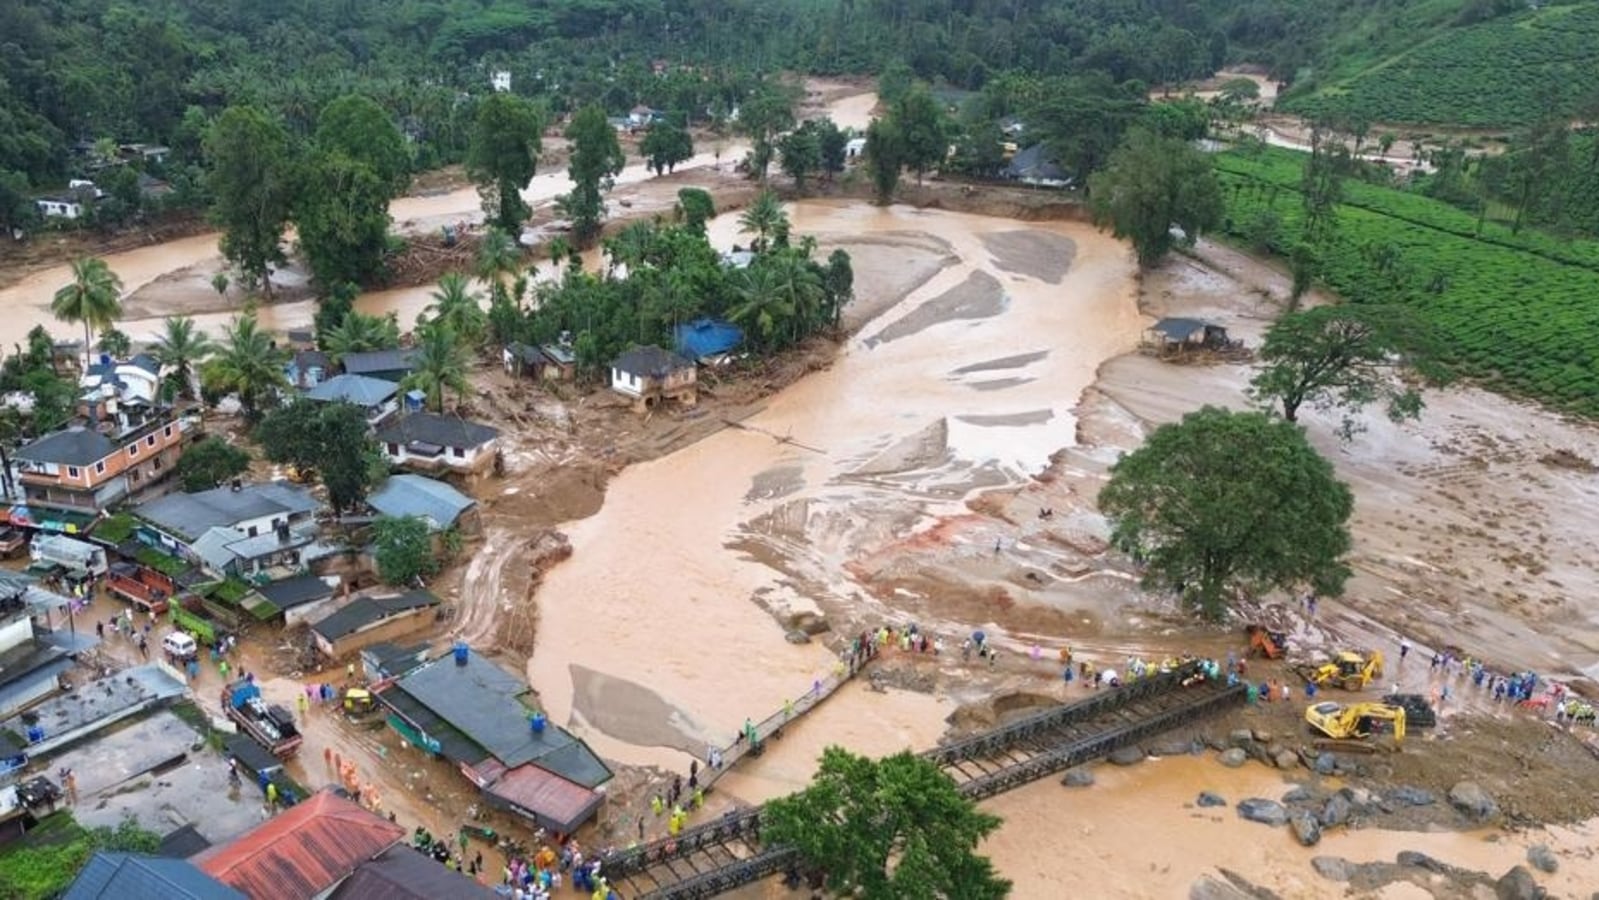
1516,312
1497,74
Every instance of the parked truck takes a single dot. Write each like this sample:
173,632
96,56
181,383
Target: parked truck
142,586
80,559
270,725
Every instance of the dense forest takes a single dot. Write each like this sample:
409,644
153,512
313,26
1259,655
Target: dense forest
84,70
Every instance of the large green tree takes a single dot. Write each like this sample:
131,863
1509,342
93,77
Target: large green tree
342,219
766,113
884,158
402,547
1082,119
766,219
1152,184
457,307
695,207
1346,357
665,145
94,297
251,181
503,157
887,829
801,151
360,333
1230,501
248,363
923,131
328,439
596,159
357,128
210,462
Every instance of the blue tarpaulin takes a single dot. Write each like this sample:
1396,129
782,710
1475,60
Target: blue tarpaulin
707,337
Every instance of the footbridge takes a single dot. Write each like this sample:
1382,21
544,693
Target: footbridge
718,856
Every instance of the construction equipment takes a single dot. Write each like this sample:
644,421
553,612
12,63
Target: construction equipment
359,702
1351,670
1356,720
1267,643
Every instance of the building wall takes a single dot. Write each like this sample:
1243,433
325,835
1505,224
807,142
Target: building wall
16,632
628,383
156,451
461,459
385,630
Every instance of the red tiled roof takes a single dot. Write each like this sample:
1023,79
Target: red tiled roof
301,852
557,802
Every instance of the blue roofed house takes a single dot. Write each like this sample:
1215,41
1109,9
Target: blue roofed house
704,340
134,876
375,396
429,499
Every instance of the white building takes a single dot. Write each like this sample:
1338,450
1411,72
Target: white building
500,80
430,442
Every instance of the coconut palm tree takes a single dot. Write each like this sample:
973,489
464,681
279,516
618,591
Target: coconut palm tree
800,287
249,364
762,308
628,246
180,349
439,364
93,298
765,219
360,333
455,305
499,259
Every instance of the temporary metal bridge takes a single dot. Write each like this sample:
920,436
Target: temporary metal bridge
716,857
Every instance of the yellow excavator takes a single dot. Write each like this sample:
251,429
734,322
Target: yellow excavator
1351,670
1356,720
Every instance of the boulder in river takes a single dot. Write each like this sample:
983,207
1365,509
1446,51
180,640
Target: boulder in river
1307,830
1233,758
1266,812
1286,759
1298,794
1241,736
1411,796
1518,884
1471,799
1336,811
1326,764
1333,868
1078,777
1127,756
796,636
1415,859
1542,859
1206,798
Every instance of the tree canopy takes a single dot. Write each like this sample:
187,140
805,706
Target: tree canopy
250,181
887,829
596,159
93,297
329,440
1152,184
402,547
210,462
503,157
1345,357
665,145
1230,501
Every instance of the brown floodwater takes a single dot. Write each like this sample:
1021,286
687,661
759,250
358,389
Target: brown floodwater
652,595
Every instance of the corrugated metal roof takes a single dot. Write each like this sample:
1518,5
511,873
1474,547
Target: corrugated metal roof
130,876
555,802
75,446
418,495
362,390
707,337
189,515
363,611
303,851
443,431
401,873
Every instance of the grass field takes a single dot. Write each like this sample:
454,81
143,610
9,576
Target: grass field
1516,312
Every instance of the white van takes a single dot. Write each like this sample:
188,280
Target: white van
179,645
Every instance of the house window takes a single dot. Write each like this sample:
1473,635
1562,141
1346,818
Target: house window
252,531
457,452
149,441
156,465
133,450
72,472
99,467
167,431
394,449
133,475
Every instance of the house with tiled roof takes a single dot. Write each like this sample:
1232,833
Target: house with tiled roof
86,469
235,530
306,851
374,396
431,442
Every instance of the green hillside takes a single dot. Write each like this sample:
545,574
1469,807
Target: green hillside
1515,312
1501,73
